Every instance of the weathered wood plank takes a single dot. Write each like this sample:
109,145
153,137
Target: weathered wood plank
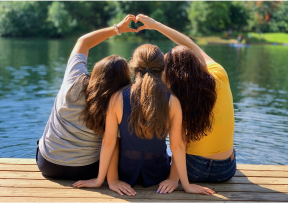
26,168
17,161
234,180
239,173
21,161
64,184
177,195
262,167
93,200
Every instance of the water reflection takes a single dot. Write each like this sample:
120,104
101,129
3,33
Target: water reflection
31,73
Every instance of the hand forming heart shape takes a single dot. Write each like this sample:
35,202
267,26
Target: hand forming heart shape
148,23
135,25
123,26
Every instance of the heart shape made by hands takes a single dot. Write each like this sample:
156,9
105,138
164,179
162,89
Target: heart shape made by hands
136,25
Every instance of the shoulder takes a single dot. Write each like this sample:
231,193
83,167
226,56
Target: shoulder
218,71
77,58
76,66
115,99
175,106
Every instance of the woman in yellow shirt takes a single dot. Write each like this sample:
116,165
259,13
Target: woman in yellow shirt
203,89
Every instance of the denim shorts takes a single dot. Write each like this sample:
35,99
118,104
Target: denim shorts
201,169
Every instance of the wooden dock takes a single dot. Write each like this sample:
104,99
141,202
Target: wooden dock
21,181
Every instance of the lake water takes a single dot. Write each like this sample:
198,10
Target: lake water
31,73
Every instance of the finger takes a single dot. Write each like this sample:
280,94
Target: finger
141,19
163,182
80,185
142,16
128,19
168,188
131,30
160,188
131,190
172,189
125,191
77,183
128,16
119,192
209,190
205,193
141,28
163,188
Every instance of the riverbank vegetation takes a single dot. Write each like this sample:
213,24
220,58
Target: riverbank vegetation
257,21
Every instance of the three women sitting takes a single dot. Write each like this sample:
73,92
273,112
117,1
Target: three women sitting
184,94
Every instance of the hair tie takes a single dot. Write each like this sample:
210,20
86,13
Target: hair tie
148,70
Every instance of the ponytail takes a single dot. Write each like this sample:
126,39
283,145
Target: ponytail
149,102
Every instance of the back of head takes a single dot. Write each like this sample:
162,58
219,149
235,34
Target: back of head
194,86
108,76
149,102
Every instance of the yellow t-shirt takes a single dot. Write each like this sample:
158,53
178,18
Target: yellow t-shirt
221,137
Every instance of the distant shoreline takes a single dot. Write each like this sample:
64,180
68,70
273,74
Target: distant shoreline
251,38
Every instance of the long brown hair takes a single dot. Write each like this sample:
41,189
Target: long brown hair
149,102
108,76
195,87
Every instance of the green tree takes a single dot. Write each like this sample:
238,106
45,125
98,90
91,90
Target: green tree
208,17
239,16
279,18
60,19
23,18
169,13
89,14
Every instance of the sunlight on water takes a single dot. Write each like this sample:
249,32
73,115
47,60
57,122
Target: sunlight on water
31,73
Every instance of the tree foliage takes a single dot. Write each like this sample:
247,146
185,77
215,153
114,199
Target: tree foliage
73,18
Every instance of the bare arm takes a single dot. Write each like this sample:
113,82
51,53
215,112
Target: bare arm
108,145
178,147
175,36
91,39
170,184
112,175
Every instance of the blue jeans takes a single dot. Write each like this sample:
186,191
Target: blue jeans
201,169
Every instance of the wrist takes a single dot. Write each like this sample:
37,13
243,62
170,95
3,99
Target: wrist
111,179
157,26
117,29
174,179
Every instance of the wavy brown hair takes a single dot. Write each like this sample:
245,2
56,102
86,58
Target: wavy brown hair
108,76
149,102
195,87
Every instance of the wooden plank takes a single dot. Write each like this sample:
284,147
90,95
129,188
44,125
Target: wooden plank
239,173
17,161
64,184
262,167
245,173
21,161
234,180
177,195
26,168
93,200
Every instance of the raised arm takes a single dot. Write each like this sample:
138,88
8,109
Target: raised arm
91,39
178,147
175,36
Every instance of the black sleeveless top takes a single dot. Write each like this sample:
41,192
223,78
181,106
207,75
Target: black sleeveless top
138,157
